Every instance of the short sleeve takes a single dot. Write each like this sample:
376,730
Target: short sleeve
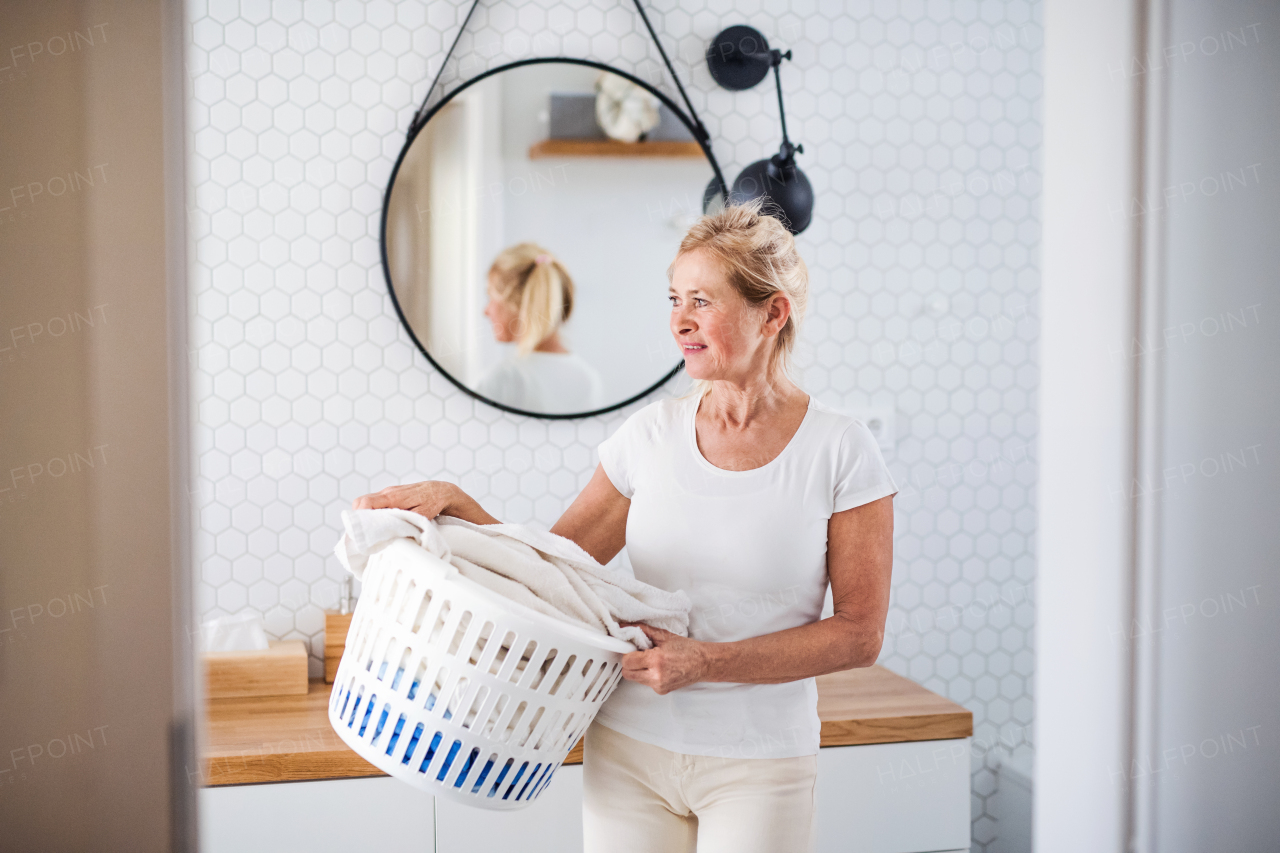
618,457
861,474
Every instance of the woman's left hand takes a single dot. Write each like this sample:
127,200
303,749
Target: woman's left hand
673,662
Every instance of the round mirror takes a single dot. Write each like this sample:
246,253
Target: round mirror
528,228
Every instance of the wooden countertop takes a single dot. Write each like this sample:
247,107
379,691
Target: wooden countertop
288,738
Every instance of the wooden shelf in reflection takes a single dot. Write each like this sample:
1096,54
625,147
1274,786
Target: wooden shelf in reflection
612,148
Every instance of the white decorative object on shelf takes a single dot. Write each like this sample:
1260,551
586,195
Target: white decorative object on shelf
460,692
624,110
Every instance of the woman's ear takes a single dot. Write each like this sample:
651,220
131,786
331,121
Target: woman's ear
777,311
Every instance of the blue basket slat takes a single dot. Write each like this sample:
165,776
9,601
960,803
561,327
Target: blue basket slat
431,752
497,783
488,765
448,760
395,735
544,781
368,711
529,781
516,780
466,768
382,722
355,709
413,743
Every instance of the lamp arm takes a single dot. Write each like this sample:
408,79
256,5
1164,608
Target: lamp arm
782,113
788,150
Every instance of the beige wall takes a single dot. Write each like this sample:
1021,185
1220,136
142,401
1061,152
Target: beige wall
87,682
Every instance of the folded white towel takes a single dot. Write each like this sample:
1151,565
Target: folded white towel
538,569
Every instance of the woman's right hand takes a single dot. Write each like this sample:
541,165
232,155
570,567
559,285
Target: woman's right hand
429,498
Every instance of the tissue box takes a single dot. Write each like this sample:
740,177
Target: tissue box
336,626
280,670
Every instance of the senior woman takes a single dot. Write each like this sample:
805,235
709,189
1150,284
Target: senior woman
751,497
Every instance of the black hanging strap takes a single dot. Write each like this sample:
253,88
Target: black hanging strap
701,131
422,110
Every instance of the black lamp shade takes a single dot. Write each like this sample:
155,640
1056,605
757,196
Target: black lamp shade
739,57
783,186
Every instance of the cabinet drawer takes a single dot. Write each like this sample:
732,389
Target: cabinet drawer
893,797
337,816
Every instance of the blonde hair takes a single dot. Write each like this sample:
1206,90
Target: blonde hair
759,255
537,287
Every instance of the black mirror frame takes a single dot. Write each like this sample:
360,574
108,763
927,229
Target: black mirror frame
703,143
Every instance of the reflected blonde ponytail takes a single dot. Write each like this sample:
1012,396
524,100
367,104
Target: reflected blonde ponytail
537,287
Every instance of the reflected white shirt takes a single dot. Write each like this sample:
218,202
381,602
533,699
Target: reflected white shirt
547,382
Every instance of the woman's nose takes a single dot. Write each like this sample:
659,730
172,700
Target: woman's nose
681,321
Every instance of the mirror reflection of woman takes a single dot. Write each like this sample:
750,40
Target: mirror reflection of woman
530,298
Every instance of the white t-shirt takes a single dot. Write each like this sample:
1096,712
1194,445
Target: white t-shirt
545,382
750,550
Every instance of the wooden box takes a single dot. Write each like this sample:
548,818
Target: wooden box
280,670
336,626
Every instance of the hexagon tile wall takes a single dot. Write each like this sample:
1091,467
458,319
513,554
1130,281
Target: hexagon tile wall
921,130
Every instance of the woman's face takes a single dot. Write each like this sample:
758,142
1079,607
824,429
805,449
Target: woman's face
720,334
502,316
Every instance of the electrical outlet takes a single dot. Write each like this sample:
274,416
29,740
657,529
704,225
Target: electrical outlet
880,421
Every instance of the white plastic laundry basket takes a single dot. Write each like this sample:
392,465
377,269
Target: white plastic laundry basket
459,691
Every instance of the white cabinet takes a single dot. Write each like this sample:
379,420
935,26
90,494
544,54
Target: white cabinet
338,816
347,815
893,797
877,798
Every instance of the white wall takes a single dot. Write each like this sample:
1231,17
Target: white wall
1157,637
1086,437
1213,752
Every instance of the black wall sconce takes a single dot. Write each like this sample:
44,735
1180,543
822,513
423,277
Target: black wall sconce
739,58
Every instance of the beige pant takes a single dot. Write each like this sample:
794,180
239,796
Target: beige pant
641,798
